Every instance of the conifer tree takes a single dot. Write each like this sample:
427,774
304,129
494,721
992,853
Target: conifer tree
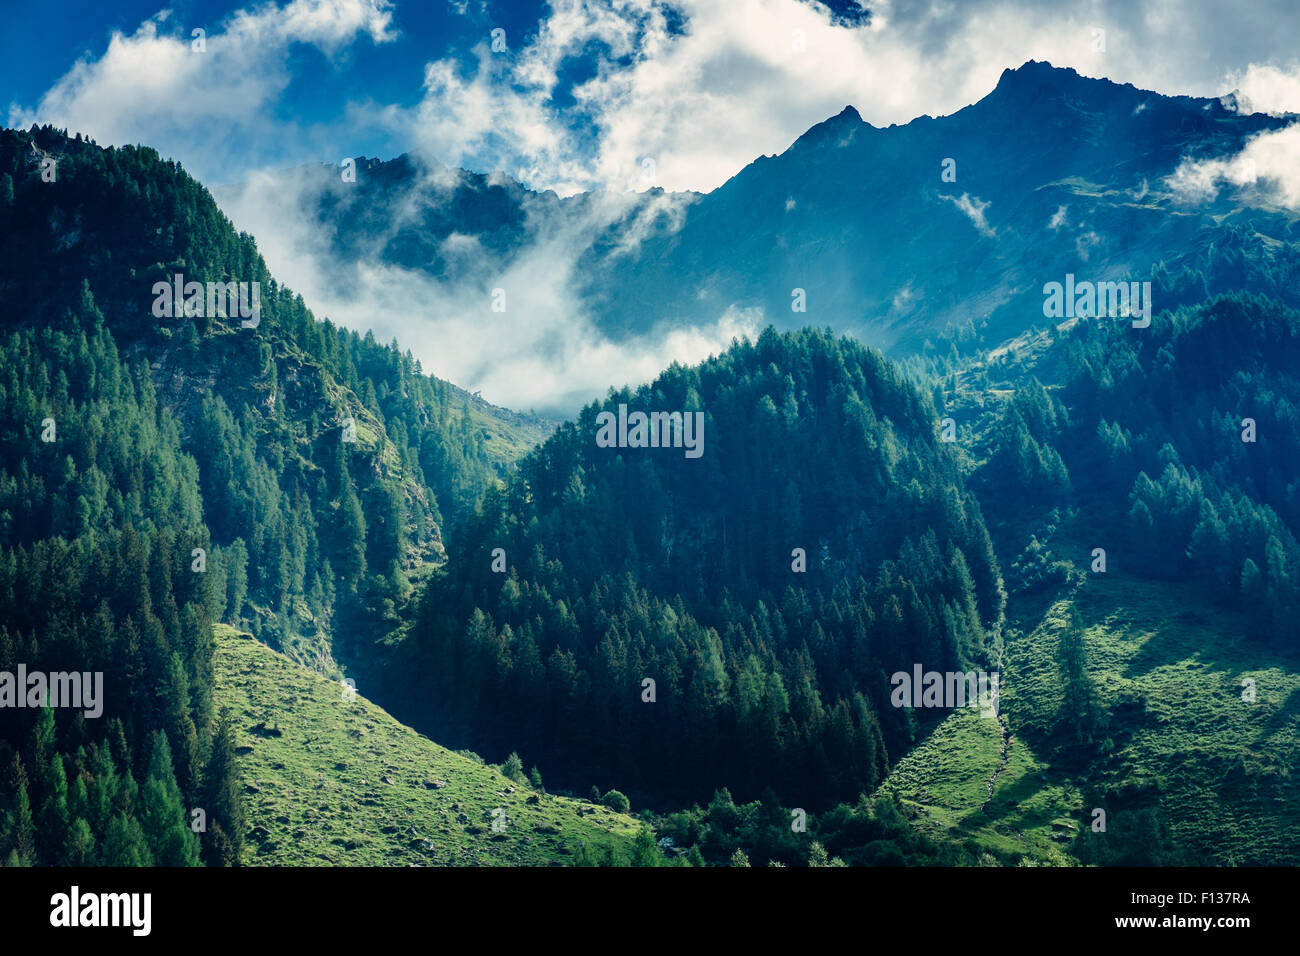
163,815
221,795
1079,708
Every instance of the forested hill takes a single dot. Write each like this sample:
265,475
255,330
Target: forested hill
102,545
325,530
822,540
158,474
1177,444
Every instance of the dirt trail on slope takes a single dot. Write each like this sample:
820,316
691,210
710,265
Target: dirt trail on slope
1006,747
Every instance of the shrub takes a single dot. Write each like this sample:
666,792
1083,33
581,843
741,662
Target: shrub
514,768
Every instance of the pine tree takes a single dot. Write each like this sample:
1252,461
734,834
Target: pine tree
79,848
513,768
163,816
21,829
1079,708
225,843
352,531
125,843
645,852
53,818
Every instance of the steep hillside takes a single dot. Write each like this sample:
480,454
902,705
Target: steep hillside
167,462
1192,773
1140,487
331,779
327,462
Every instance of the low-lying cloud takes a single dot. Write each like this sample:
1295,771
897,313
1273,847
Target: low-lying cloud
542,352
1265,172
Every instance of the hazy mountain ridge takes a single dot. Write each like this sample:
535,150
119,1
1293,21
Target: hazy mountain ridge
861,218
1055,173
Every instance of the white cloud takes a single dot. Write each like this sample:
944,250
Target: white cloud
1267,170
1266,88
543,352
973,208
1085,243
201,107
746,77
903,298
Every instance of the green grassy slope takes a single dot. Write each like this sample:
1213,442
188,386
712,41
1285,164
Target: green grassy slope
333,781
1225,769
507,435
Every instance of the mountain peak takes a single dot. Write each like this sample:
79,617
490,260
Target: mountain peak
842,125
839,129
1035,73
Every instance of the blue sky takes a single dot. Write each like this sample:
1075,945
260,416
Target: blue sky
42,42
585,91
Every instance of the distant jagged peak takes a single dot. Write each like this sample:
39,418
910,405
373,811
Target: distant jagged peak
1036,80
1039,79
1035,73
848,114
841,126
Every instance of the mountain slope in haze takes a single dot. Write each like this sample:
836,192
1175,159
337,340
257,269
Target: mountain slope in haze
1053,173
327,462
331,779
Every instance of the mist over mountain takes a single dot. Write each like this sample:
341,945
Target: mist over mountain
480,275
896,235
1054,173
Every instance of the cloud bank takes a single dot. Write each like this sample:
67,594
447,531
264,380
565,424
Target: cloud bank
515,331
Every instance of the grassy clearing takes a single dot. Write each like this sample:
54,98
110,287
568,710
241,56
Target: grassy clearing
943,785
333,781
1224,768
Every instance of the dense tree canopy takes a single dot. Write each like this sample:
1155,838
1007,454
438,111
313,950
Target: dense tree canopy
630,565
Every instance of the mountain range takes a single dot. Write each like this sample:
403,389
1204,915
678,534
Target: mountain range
1104,514
900,236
